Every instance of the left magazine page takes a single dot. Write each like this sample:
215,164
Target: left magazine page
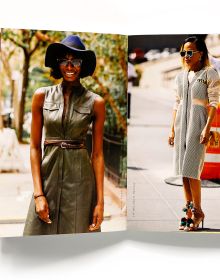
63,132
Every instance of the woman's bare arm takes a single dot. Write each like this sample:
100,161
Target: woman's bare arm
98,159
42,208
175,107
172,132
36,137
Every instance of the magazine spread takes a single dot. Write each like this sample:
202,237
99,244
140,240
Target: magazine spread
68,103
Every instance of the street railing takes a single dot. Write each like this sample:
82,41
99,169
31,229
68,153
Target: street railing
115,156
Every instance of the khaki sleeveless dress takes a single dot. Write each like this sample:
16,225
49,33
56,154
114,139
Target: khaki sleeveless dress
67,174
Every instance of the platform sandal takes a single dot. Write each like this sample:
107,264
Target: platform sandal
197,217
189,225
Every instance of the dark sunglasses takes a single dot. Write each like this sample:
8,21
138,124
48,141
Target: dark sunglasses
187,53
73,62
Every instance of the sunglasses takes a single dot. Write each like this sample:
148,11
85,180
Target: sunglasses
187,53
73,62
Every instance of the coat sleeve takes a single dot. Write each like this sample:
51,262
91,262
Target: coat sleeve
177,97
213,87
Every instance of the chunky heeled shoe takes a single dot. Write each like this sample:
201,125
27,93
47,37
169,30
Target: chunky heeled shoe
184,221
198,217
189,225
182,224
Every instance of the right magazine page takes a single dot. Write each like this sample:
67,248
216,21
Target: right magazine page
173,133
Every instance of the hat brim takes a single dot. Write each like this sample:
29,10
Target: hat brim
56,50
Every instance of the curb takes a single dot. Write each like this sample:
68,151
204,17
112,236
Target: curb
118,195
12,221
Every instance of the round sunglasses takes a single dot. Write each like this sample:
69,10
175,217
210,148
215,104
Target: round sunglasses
187,53
73,62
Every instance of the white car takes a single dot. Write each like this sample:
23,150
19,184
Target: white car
153,54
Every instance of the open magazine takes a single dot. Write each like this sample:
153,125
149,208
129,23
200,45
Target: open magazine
70,100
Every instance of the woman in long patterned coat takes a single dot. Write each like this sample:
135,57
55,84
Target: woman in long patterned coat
197,88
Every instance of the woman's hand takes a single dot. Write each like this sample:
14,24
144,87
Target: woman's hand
42,209
171,138
204,137
97,218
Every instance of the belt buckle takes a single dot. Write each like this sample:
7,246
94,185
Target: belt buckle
63,145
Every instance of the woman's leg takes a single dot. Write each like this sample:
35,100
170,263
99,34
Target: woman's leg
195,186
188,195
187,190
187,209
198,215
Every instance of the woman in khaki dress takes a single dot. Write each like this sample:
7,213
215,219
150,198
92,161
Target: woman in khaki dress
197,88
68,186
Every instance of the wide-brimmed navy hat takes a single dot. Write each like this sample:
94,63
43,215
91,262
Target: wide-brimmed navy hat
71,44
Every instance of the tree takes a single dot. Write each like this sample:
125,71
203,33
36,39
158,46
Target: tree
110,77
29,41
1,121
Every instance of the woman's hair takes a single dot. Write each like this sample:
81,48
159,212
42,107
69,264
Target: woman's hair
200,46
55,70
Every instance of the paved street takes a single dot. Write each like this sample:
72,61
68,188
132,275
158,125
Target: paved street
154,205
16,190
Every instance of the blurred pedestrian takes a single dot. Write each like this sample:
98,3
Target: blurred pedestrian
197,87
10,155
68,187
132,75
215,62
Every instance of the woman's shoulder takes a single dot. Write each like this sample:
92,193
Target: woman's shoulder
91,94
179,76
212,73
38,96
94,101
41,94
46,89
99,101
94,97
181,73
48,93
211,70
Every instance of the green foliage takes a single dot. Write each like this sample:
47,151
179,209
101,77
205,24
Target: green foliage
111,52
37,78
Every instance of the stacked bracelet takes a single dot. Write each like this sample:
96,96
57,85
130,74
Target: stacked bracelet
36,196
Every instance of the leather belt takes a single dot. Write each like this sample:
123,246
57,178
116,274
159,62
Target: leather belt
66,144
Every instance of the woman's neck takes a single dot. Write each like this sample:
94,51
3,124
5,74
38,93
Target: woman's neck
196,68
69,87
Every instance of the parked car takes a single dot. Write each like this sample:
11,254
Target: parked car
152,54
137,56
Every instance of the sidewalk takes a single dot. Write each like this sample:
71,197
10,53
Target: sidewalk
154,205
16,190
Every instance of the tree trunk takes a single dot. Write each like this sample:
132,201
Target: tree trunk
23,95
1,120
